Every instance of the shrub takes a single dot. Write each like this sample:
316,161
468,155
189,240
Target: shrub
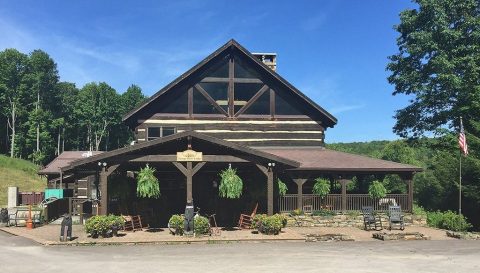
418,210
282,218
448,220
257,219
201,225
175,224
231,185
323,212
377,190
271,225
296,212
103,225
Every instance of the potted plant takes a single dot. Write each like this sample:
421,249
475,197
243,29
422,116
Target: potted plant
231,185
147,183
282,188
376,191
321,187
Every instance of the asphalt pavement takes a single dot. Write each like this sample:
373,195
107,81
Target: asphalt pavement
18,254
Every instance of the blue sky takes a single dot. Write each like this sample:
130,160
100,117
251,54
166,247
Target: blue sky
335,51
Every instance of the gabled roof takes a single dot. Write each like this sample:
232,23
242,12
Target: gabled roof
149,145
329,120
64,159
321,159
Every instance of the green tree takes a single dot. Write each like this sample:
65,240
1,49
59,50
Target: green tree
13,67
438,65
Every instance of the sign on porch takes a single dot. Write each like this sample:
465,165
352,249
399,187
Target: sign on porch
189,155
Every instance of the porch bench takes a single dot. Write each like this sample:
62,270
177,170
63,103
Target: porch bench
21,214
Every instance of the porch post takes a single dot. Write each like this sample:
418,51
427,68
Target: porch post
189,181
104,186
300,182
344,183
410,194
104,191
270,191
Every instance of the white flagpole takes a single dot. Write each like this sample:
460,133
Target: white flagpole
460,177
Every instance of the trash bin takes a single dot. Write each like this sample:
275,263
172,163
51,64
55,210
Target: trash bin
188,223
66,228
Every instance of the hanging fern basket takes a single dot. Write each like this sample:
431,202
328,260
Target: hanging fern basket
147,183
231,185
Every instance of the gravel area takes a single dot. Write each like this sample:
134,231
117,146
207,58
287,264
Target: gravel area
49,235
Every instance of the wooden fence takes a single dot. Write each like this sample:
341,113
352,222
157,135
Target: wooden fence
30,198
333,202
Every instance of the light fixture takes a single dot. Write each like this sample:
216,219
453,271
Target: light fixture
271,164
214,184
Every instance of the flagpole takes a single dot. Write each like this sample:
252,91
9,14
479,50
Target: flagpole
460,188
460,177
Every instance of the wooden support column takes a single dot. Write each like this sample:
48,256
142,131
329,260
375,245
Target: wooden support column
189,172
410,194
344,183
104,192
269,174
104,188
300,182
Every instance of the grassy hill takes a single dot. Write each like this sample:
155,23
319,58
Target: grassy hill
19,173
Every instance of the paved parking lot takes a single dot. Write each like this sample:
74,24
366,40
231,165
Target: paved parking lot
19,254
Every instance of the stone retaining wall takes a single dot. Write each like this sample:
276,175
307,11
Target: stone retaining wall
348,220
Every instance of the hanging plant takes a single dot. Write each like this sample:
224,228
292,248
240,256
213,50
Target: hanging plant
282,188
321,187
147,183
231,184
376,190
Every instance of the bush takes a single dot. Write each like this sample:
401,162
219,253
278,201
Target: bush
448,220
323,212
296,212
271,225
282,218
257,219
201,225
418,210
175,224
103,225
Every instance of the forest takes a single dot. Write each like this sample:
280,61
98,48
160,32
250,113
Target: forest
41,116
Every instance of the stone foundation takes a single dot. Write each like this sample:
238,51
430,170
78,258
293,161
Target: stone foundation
348,220
400,236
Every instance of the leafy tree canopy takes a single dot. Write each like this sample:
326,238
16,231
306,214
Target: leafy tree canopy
438,65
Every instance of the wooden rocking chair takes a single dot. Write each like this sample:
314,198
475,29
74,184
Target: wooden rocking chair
246,220
132,223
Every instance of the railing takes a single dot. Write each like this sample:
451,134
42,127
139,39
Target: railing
333,202
31,198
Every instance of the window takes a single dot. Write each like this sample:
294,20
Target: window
156,132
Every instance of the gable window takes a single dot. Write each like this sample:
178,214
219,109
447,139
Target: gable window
156,132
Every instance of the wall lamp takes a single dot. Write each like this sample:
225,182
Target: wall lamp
271,164
104,164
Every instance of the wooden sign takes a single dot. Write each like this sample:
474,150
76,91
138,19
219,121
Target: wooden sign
189,155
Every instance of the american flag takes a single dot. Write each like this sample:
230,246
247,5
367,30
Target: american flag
462,139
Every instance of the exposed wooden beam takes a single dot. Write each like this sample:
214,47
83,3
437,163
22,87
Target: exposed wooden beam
231,86
173,158
181,168
197,167
227,80
190,102
263,169
252,100
272,103
210,99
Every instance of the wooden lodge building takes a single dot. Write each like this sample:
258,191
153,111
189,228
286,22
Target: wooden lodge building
231,109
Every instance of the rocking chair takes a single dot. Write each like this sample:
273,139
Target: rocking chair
246,220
